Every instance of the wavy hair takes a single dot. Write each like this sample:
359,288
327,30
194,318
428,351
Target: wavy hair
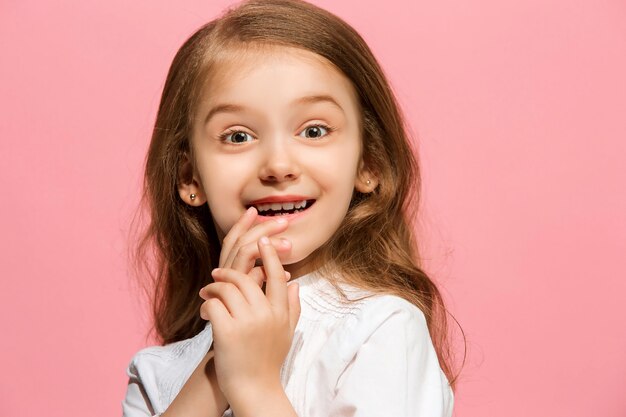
374,248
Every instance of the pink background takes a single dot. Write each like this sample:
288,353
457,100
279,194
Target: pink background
520,110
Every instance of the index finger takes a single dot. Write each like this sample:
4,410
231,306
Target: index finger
276,287
238,228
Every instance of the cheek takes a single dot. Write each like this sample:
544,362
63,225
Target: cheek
222,185
338,178
221,218
337,163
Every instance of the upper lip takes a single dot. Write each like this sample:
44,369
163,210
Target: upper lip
279,199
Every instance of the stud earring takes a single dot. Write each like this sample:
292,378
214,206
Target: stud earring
368,182
192,196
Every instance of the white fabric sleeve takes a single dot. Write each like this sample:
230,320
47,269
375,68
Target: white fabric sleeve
395,372
157,374
136,402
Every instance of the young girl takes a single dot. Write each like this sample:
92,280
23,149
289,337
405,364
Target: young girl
283,191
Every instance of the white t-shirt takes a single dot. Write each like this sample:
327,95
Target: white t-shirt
367,358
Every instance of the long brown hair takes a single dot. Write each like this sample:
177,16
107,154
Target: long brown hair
374,249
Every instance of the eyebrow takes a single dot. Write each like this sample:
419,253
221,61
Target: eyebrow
235,108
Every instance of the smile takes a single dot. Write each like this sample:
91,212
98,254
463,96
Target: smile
282,209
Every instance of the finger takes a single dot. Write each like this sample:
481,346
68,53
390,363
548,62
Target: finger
248,254
214,311
258,275
242,225
252,235
293,294
276,287
250,290
230,295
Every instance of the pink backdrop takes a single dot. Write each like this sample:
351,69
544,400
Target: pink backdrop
520,109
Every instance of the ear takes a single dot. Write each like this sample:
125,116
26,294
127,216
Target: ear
190,187
366,181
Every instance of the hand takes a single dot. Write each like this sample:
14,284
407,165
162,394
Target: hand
252,331
240,251
239,247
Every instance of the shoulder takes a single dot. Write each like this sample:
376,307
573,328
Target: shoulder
360,315
383,350
321,298
383,306
391,315
160,356
356,307
161,371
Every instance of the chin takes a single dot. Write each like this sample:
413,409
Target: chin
299,265
292,260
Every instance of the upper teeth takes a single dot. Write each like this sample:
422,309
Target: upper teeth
281,206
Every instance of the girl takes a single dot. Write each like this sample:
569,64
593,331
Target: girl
279,154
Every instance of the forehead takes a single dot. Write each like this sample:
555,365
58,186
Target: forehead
275,73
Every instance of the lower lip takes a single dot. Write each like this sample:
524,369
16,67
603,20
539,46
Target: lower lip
288,217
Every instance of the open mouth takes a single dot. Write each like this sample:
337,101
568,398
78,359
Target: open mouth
282,209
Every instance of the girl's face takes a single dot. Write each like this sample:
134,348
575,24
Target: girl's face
282,124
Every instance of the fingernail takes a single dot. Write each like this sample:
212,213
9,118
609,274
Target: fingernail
288,275
215,271
281,221
285,242
250,209
264,240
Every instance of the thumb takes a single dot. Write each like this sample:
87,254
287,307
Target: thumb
293,296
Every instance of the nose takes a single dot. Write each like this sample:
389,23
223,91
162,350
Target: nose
279,161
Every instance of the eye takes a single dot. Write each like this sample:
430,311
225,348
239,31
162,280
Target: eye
235,136
317,131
